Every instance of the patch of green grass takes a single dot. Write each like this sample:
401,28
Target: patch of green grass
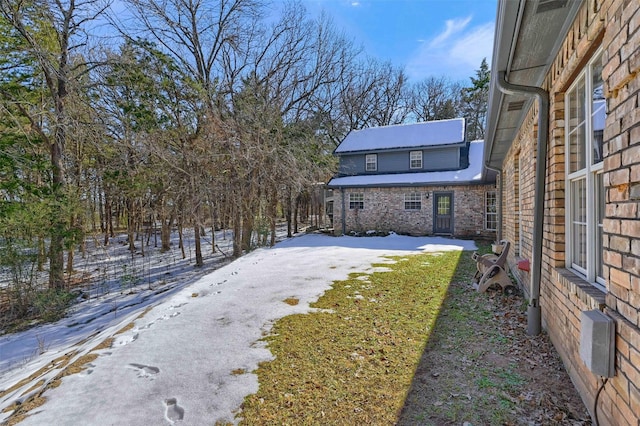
355,364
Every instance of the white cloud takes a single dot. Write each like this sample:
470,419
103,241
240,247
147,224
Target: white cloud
456,52
453,26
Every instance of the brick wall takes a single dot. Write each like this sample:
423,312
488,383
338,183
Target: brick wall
384,211
614,25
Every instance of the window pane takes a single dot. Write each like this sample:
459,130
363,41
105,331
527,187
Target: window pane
415,159
491,211
585,112
371,162
598,114
599,215
443,205
413,201
356,201
577,154
579,222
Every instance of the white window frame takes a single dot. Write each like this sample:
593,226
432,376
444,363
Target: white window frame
356,201
415,159
491,215
371,162
413,201
584,186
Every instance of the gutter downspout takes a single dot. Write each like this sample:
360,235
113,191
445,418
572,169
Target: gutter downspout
533,311
343,214
499,207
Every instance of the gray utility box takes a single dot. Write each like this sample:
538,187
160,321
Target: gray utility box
597,342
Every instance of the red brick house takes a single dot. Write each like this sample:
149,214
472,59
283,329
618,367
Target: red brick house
563,133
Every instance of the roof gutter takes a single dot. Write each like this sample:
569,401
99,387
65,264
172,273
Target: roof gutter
533,311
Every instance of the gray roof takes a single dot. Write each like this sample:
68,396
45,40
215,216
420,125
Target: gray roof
527,38
427,134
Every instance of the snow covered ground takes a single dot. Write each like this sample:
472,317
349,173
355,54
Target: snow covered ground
181,360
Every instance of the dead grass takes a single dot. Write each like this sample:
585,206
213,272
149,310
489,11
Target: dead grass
413,346
292,301
480,366
356,363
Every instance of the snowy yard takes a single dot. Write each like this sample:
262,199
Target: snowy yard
174,353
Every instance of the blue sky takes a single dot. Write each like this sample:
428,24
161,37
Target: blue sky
427,37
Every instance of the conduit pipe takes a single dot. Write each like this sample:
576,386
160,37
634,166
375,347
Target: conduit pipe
534,320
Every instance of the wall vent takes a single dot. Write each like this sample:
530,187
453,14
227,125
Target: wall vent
515,106
547,5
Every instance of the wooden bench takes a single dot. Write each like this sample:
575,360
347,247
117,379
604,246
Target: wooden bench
491,269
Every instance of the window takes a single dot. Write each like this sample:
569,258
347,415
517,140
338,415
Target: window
415,159
371,162
412,201
585,112
491,211
356,201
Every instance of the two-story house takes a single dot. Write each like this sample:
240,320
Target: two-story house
417,179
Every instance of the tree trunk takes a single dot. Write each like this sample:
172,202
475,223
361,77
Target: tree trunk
131,225
42,253
289,212
57,148
197,233
108,219
273,211
237,234
70,260
247,231
296,208
180,240
165,234
70,252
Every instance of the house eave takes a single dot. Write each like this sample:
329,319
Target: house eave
410,185
528,37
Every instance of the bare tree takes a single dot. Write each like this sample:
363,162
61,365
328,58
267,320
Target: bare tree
196,33
368,93
436,98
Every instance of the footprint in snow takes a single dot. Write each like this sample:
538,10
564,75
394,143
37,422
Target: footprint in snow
123,340
174,412
87,370
145,370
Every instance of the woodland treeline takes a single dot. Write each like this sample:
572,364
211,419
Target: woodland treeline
185,114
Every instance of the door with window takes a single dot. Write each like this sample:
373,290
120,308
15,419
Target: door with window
443,213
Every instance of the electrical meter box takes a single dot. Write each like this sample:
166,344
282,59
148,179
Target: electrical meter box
597,342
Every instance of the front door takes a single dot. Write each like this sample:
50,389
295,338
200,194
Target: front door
443,213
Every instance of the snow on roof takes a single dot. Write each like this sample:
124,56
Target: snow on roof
430,133
471,174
